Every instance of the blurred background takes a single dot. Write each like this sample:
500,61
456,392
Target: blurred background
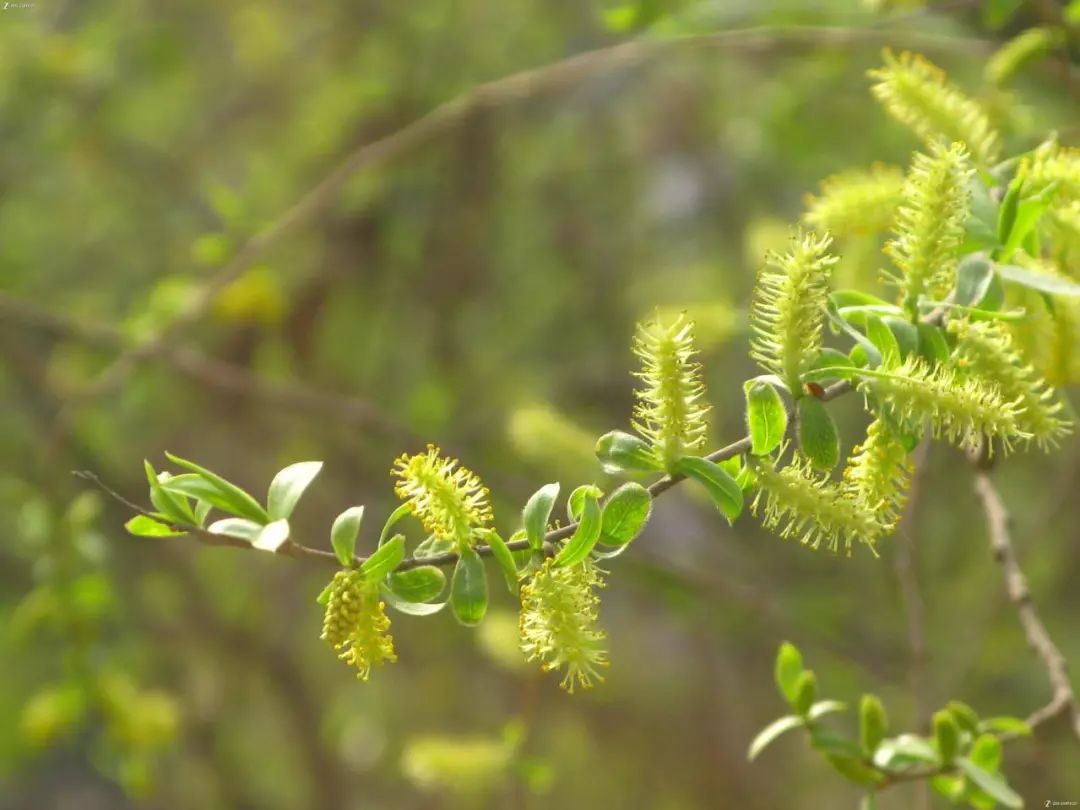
474,282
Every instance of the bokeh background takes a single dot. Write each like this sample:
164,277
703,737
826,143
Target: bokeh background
476,288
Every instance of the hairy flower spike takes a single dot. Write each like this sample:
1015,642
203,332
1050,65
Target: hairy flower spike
856,201
929,224
1053,163
558,622
356,624
450,500
671,410
788,311
917,95
986,350
795,502
1021,50
878,472
959,408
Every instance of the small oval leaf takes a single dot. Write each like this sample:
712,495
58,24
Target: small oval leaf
287,487
818,437
504,557
468,589
771,732
272,536
725,492
384,559
537,512
622,452
232,498
625,514
344,532
144,526
240,528
766,417
420,584
586,534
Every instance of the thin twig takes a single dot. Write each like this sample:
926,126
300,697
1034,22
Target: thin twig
212,373
1063,699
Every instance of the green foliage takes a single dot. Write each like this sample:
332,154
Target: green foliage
766,417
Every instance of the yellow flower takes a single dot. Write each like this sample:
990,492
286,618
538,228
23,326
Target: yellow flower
450,500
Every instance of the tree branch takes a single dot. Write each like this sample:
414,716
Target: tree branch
1063,699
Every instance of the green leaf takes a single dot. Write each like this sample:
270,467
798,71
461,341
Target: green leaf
324,595
818,437
625,514
434,547
828,741
393,520
287,487
788,668
993,785
143,526
240,528
904,750
621,452
946,735
576,502
932,343
1007,212
420,584
175,507
951,787
586,534
805,692
410,608
771,732
853,769
537,512
873,723
1006,725
229,497
965,716
1038,281
824,707
1028,213
344,532
272,536
905,332
884,341
468,589
766,416
724,490
986,752
974,275
384,559
504,557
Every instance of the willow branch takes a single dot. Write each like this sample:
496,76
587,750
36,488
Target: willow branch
1063,699
518,86
211,373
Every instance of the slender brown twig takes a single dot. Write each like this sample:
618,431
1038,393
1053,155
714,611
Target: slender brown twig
1063,698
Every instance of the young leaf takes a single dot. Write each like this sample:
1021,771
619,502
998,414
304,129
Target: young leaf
622,452
468,589
993,785
771,732
884,340
818,438
230,497
789,666
287,487
946,735
1034,280
577,548
1028,213
904,332
143,526
384,559
932,343
576,502
395,516
537,512
766,416
504,557
986,752
420,584
240,528
853,769
272,536
1006,725
824,707
625,514
873,723
410,608
344,532
725,492
805,692
904,750
974,275
175,507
